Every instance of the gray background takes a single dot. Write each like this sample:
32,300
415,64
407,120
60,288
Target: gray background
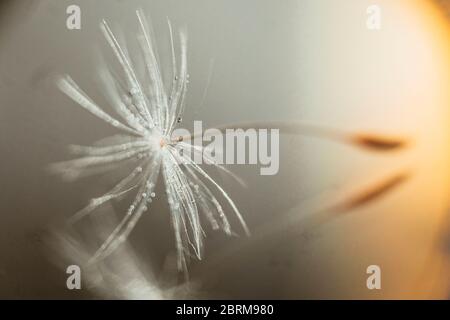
312,61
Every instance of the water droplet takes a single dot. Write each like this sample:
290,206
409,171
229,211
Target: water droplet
144,195
152,195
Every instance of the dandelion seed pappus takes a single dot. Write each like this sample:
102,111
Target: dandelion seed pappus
149,110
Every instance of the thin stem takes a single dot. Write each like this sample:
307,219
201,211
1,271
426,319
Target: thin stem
375,142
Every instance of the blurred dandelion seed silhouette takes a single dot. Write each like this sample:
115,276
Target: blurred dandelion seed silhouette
149,113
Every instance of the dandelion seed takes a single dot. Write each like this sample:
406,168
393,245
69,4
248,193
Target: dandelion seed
149,113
